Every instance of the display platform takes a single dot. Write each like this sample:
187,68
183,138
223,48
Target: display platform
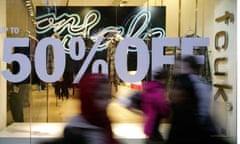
33,133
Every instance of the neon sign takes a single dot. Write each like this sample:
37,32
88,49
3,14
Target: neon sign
135,30
74,26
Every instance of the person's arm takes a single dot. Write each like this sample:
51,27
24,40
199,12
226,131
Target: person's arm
132,103
204,92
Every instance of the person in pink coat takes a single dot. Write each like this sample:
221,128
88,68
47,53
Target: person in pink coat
155,106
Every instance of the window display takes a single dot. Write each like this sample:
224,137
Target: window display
47,47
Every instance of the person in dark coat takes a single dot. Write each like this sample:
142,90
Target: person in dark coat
189,96
185,128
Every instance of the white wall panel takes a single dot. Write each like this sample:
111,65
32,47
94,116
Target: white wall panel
200,11
228,121
172,17
187,17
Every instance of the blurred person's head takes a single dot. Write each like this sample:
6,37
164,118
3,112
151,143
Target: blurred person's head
190,65
161,74
95,94
186,65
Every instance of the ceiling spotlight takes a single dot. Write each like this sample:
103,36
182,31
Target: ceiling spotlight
28,4
27,1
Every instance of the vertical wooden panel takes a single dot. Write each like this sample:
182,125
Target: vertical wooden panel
187,17
17,17
172,18
200,16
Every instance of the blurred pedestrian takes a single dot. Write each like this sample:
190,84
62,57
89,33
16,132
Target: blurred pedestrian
155,106
202,89
152,102
92,126
190,97
185,128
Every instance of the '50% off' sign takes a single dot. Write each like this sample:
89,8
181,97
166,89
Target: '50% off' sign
143,59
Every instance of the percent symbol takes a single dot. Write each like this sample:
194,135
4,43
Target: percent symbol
80,53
